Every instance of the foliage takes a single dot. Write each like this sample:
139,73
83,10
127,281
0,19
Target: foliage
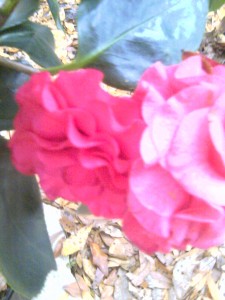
25,251
141,33
215,4
120,38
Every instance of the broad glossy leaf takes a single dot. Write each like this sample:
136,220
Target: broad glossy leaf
215,4
122,38
25,251
10,80
20,13
35,39
54,7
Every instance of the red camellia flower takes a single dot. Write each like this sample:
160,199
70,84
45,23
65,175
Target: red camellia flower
78,138
177,188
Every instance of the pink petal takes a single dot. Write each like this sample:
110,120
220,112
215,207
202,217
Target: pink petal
217,133
189,159
190,68
157,138
156,190
200,211
148,150
144,239
81,81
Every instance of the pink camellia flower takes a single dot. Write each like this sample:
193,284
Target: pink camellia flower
78,138
161,215
177,190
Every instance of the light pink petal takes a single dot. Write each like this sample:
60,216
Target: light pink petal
151,102
189,159
156,190
190,68
148,150
151,221
200,211
157,77
193,97
144,239
217,132
157,138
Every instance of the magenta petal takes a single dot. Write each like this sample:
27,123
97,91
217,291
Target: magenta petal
81,81
23,152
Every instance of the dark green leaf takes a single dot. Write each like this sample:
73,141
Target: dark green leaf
25,250
35,39
20,13
122,38
215,4
54,7
10,80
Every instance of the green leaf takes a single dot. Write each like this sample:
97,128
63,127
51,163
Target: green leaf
25,251
122,38
35,39
54,7
20,13
215,4
10,80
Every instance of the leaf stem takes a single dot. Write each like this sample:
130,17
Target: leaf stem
17,66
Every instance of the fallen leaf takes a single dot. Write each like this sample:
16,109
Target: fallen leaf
138,277
107,239
67,224
81,283
87,280
111,279
121,248
106,291
64,296
76,242
58,247
86,295
121,291
116,262
79,260
113,231
73,289
98,278
89,269
213,289
158,280
100,259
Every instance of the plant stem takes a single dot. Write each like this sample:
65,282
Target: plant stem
17,66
